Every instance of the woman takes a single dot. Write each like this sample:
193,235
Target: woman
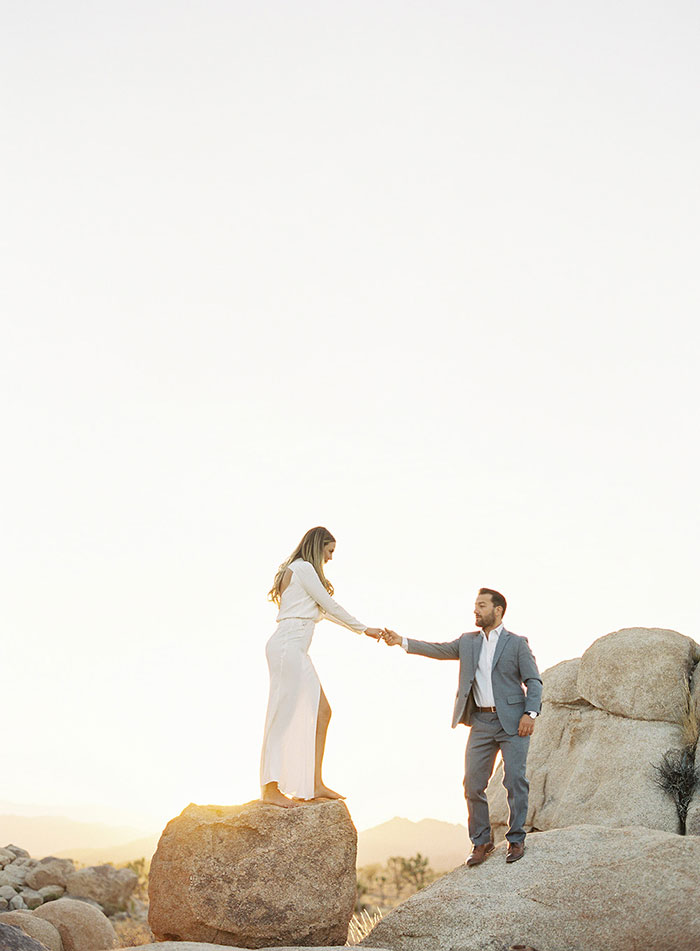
298,712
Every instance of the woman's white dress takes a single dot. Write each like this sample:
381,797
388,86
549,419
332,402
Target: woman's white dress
289,743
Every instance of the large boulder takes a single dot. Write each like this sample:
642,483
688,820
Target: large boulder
14,939
111,888
588,766
36,928
585,888
638,672
255,875
81,926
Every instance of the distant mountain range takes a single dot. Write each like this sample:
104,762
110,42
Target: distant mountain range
52,835
92,843
444,843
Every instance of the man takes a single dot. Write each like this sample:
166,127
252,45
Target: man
493,666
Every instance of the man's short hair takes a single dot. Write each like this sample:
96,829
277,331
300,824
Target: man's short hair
497,598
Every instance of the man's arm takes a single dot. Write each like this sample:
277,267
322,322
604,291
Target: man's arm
448,650
530,676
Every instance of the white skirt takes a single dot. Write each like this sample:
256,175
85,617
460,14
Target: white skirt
289,744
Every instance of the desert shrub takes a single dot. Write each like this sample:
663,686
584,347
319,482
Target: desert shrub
677,775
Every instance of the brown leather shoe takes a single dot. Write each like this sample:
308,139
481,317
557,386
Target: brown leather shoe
479,854
515,851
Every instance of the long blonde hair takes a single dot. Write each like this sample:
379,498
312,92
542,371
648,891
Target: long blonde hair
310,548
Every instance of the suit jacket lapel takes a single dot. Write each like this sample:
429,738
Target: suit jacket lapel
502,640
476,649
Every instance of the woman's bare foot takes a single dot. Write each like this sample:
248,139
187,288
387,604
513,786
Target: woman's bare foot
273,797
323,792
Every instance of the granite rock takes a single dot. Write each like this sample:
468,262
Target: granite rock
255,875
583,888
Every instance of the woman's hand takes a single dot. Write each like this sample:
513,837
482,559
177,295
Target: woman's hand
374,632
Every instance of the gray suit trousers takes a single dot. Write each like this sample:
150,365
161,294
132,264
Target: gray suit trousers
486,738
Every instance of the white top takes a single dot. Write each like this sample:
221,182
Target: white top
305,597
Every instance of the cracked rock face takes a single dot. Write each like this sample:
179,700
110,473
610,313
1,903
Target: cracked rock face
584,888
607,720
254,876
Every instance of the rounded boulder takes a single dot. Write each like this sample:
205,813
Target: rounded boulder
638,672
81,926
255,876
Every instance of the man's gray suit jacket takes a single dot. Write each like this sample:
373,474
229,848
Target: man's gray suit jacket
513,665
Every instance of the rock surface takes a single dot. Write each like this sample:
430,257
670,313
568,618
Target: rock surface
14,939
52,892
562,682
14,874
638,672
82,927
255,875
31,898
50,871
201,946
584,888
692,822
586,765
36,928
104,884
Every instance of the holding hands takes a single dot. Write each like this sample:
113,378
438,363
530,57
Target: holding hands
391,637
384,634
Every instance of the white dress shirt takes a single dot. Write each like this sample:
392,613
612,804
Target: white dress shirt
483,687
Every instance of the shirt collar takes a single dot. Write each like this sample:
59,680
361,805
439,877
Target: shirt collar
495,633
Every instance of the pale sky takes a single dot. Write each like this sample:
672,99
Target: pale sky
424,273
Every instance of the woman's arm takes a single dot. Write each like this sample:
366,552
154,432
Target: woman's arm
311,583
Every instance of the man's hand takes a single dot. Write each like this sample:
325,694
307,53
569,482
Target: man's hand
526,727
391,637
375,632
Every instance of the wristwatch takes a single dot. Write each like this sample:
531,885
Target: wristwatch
533,715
